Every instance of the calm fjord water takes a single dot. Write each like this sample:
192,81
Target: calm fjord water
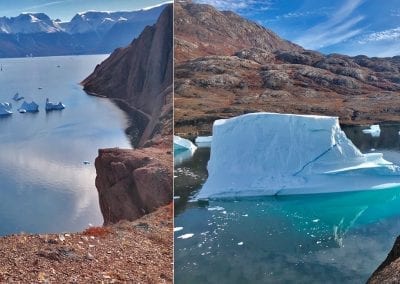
324,238
44,185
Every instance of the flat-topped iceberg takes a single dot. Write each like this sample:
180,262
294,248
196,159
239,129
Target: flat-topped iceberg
203,141
278,154
29,107
5,109
54,106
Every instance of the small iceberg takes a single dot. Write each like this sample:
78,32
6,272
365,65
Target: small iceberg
183,149
374,130
283,154
203,141
29,107
53,106
17,97
5,109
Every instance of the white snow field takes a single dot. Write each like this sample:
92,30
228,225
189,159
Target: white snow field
281,154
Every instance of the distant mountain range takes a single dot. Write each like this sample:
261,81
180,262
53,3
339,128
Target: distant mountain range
92,32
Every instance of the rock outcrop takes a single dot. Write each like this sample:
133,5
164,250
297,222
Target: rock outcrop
140,77
132,183
389,270
227,66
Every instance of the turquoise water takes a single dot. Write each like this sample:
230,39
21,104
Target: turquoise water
44,184
331,238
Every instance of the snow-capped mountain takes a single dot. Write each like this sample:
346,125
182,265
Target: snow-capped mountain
29,23
89,32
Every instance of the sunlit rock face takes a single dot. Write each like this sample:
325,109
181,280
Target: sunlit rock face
278,154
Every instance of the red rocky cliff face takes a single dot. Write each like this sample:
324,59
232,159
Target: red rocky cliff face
132,183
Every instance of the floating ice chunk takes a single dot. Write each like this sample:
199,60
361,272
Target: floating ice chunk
215,208
279,154
177,229
5,109
374,130
186,236
29,107
183,149
182,144
240,243
17,97
53,106
203,141
86,162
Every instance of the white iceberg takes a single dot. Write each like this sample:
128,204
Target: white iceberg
182,144
203,141
17,97
279,154
5,109
29,107
374,130
53,106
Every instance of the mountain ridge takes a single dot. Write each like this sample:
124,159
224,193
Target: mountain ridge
262,72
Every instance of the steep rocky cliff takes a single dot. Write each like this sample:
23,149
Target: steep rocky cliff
226,66
139,77
132,183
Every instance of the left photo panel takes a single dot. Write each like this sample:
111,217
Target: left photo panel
86,124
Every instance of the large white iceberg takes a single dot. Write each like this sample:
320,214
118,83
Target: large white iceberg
54,106
278,154
5,109
29,107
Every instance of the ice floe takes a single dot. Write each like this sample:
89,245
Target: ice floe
54,106
279,154
17,97
203,141
374,130
29,107
186,236
183,149
5,108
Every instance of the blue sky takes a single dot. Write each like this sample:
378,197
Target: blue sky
66,9
352,27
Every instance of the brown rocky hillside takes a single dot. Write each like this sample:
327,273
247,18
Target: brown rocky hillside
226,66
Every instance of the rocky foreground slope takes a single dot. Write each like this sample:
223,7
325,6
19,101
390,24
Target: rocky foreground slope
127,252
226,65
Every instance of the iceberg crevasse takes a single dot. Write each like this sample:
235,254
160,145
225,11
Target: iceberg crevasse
270,154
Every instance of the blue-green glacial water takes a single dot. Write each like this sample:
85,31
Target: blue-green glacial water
44,184
325,238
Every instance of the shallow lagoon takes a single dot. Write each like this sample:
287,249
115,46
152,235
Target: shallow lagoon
332,238
44,184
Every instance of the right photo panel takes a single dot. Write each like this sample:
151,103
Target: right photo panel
286,141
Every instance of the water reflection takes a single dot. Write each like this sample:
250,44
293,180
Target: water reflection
44,185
